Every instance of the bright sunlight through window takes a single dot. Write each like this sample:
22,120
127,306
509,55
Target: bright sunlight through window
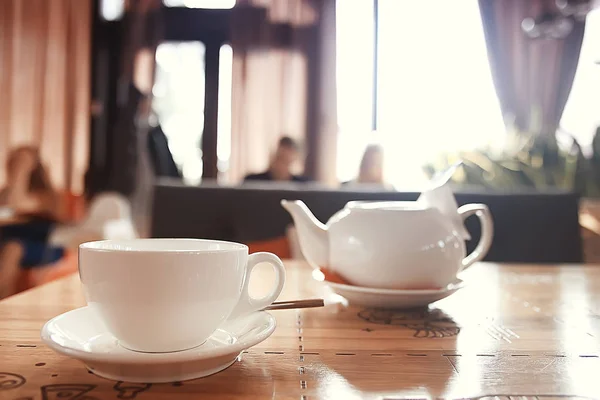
434,87
179,103
582,112
224,116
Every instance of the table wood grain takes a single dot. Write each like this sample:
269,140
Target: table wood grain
521,330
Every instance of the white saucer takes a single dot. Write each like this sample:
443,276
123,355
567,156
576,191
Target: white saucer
81,335
389,298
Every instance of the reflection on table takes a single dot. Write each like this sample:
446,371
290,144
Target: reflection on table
518,330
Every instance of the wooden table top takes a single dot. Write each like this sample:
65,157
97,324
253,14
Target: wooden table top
519,330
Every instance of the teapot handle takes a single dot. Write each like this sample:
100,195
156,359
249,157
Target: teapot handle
487,232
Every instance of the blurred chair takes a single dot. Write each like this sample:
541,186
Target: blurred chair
108,217
284,247
278,246
294,243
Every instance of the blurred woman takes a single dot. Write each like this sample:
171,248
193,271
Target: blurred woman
29,195
370,172
371,166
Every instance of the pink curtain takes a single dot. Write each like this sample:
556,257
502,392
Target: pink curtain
533,78
276,63
44,84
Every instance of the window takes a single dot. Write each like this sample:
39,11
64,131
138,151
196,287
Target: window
179,103
582,112
354,70
224,114
429,90
193,87
112,10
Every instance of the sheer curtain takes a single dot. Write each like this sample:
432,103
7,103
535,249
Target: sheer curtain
354,77
44,84
533,77
434,87
269,79
581,117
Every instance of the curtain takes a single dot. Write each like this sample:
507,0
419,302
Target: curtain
533,78
272,42
44,84
322,129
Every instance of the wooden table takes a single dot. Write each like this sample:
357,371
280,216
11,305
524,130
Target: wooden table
521,330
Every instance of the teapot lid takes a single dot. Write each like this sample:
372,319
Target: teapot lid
439,195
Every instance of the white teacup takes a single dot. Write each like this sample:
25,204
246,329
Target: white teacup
164,295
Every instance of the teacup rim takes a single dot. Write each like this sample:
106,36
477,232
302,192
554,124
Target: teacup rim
97,246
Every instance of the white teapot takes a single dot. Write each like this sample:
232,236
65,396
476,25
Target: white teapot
393,244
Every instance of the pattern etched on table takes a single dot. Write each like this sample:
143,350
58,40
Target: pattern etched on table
67,391
424,322
542,355
9,381
129,390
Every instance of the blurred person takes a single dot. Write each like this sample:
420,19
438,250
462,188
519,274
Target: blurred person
286,155
29,195
161,158
370,172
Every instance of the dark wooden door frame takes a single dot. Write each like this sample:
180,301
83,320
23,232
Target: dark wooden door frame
212,27
107,40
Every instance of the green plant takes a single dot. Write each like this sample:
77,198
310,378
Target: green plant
529,161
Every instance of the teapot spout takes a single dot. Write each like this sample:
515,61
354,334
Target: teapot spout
312,234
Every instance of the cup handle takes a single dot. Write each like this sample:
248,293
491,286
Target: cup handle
248,304
487,232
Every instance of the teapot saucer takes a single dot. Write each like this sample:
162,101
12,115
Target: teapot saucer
79,334
392,298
